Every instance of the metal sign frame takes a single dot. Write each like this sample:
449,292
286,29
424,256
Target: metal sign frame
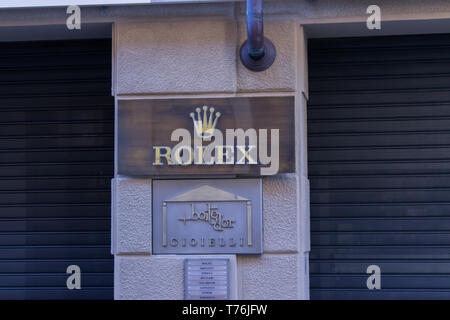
206,216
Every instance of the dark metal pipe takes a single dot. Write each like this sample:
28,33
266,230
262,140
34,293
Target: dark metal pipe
255,29
257,53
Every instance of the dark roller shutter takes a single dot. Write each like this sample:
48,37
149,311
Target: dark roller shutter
379,164
56,162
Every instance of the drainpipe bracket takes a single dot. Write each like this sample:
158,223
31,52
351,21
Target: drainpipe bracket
264,62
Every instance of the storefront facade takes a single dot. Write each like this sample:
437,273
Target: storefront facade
365,193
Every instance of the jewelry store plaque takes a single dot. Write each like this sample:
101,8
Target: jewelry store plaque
206,279
222,216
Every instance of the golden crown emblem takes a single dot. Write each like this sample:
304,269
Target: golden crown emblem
205,124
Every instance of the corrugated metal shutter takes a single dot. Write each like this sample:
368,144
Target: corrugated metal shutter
56,162
379,164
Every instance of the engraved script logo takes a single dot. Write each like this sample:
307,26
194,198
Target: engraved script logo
211,216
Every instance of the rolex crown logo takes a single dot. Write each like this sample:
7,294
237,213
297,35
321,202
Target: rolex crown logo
205,124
